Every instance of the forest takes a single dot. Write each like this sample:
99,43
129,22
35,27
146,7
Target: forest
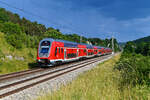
144,39
20,32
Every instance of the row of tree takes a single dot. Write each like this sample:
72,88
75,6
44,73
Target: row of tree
21,32
139,48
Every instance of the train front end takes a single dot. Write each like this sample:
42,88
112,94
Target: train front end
43,54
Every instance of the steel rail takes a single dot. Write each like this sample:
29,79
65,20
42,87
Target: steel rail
18,74
46,79
39,76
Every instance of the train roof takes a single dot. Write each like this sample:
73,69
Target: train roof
87,45
66,43
71,44
99,47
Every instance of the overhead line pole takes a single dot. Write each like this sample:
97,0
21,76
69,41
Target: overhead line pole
112,43
80,38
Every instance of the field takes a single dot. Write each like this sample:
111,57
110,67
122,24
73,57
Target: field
100,83
12,60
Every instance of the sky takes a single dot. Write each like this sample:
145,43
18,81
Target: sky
125,20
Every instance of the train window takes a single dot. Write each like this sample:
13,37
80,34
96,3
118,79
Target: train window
71,55
59,50
55,51
62,50
45,43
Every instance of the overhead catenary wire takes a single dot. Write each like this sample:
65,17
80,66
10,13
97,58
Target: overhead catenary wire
20,9
42,18
56,24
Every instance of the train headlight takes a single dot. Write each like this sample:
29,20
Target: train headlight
39,60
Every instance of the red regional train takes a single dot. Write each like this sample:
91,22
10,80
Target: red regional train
52,52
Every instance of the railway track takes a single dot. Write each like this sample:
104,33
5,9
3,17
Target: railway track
16,74
10,88
22,74
27,72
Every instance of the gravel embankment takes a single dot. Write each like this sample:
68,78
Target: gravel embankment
51,85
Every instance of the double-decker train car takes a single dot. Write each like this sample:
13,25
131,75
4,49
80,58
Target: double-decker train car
108,51
52,52
82,51
100,51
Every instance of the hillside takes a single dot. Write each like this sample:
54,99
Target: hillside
12,59
137,41
20,38
144,39
134,66
21,32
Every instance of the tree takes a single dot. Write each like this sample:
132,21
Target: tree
3,15
96,41
130,47
14,34
52,33
10,28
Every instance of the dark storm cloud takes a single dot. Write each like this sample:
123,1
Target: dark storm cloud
120,9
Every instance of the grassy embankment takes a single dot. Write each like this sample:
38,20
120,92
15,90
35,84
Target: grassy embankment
12,65
100,83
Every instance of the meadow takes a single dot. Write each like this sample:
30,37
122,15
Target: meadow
100,83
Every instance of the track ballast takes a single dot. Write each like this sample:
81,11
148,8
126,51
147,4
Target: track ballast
51,73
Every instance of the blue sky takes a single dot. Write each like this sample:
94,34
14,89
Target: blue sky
126,19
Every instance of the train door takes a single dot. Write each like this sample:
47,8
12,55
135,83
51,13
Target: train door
77,52
56,52
59,56
64,53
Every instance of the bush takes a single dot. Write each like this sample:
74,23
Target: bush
1,54
30,54
10,28
33,41
3,15
134,68
141,48
17,38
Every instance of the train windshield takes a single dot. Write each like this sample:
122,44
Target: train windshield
44,50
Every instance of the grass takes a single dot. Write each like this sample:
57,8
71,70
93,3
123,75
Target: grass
100,83
7,65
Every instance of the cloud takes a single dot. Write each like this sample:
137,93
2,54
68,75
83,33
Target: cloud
129,19
99,18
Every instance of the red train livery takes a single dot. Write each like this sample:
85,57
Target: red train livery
52,52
